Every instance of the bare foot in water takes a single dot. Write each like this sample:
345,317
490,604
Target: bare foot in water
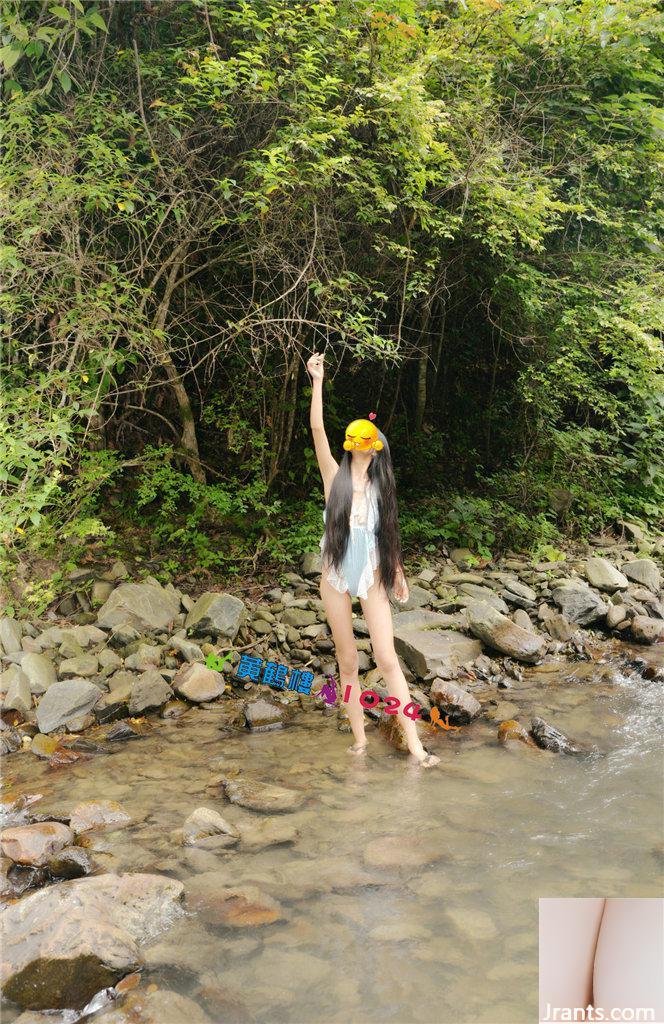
425,759
358,748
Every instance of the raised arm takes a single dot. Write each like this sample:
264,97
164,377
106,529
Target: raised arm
326,462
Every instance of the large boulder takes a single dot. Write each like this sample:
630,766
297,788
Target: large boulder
142,605
66,942
578,602
601,574
35,844
18,696
503,635
428,651
645,572
66,700
220,615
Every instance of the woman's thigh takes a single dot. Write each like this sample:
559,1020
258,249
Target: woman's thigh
629,962
378,617
568,930
338,609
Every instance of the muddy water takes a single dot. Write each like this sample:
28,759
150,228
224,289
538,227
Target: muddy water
453,939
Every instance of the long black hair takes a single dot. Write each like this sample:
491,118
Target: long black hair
338,509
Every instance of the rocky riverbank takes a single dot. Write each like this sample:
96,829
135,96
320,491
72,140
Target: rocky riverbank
76,688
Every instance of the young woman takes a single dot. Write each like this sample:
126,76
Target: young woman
361,551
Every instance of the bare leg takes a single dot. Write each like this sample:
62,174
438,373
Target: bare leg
378,617
568,930
629,957
338,608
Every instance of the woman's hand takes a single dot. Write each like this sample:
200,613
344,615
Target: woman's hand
315,366
400,587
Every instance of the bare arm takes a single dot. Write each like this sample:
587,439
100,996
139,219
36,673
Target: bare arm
326,462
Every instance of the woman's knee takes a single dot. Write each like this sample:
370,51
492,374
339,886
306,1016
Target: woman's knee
387,662
348,662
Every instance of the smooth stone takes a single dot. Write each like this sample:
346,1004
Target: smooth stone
153,1006
10,635
241,906
454,701
198,683
98,814
205,822
65,943
471,923
35,844
262,796
263,834
263,716
646,630
72,862
399,851
150,690
18,696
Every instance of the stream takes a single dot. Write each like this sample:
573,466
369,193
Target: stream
444,928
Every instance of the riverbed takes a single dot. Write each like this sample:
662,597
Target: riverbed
434,926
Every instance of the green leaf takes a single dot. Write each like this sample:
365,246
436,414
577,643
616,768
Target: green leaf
65,81
95,18
10,54
60,12
78,5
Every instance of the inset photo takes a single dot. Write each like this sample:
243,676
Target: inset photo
601,959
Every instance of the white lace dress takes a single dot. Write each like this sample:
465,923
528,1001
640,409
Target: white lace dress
361,558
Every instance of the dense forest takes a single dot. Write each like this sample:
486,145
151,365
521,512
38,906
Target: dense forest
458,201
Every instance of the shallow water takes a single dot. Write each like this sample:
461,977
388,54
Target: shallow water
453,939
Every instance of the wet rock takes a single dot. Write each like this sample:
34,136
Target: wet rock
35,844
85,665
391,728
218,614
558,627
174,709
578,602
262,716
513,730
156,1006
18,696
646,630
399,931
10,635
407,851
262,796
203,823
44,746
263,834
454,701
501,633
233,907
645,572
198,683
73,862
311,563
98,814
10,739
66,942
150,690
549,738
144,606
40,671
433,652
64,700
601,574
